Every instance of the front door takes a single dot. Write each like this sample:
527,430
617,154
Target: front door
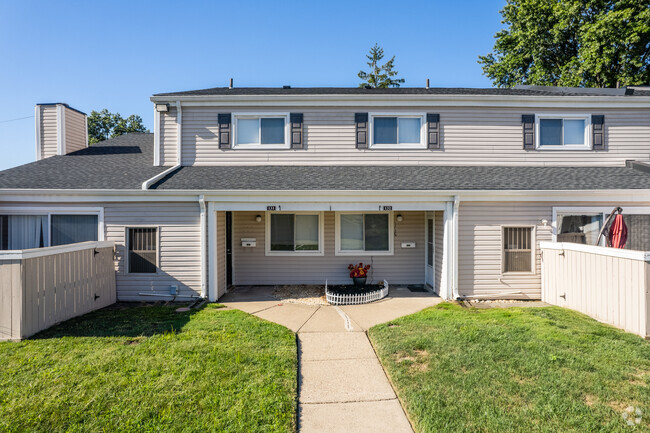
430,252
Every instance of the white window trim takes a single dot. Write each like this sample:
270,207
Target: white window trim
594,210
391,235
260,146
533,250
397,146
267,236
49,211
564,116
126,249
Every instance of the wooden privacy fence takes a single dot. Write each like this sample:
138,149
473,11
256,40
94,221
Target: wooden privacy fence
43,286
608,284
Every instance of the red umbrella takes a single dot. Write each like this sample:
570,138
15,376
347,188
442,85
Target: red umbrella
618,232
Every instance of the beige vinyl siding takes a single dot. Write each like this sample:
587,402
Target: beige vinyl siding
480,248
179,252
75,130
470,136
49,129
439,239
252,266
221,254
168,137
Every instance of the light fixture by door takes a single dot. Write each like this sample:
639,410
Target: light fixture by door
258,218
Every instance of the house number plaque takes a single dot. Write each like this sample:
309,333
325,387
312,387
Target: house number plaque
387,208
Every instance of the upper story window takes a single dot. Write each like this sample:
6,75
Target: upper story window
563,132
403,131
261,131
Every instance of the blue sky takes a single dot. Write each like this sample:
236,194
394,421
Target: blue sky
115,54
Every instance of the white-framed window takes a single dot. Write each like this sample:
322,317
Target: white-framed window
579,227
294,233
261,131
142,245
367,233
37,227
397,130
518,249
563,131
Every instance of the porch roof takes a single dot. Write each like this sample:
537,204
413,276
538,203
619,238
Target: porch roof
367,177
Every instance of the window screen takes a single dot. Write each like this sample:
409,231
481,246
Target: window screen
142,250
396,130
517,249
579,229
561,132
69,229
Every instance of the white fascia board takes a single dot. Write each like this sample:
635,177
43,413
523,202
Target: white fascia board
377,197
603,251
60,129
413,100
48,251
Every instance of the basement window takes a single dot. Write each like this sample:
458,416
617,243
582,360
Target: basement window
518,251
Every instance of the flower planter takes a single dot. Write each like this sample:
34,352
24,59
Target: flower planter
359,281
350,295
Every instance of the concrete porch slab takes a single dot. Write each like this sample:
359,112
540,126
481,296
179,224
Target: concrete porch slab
334,345
293,316
358,417
339,381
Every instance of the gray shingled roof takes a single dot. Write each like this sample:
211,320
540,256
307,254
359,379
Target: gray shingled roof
123,162
127,161
520,91
403,178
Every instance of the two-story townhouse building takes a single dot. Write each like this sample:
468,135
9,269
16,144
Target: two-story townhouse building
452,188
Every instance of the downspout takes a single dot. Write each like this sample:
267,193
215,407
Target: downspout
454,262
203,226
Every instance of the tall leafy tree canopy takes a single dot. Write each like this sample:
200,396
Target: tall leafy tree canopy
103,125
577,43
380,75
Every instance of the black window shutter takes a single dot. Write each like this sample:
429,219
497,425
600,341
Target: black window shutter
224,130
361,119
528,124
296,130
433,131
598,131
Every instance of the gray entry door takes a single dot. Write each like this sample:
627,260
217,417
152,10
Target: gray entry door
430,252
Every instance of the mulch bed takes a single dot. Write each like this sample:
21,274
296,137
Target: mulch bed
349,289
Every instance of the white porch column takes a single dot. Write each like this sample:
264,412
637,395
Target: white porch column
449,277
212,253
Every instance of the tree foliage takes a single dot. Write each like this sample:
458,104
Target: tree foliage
589,43
103,125
380,76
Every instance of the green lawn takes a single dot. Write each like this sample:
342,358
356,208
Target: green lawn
516,369
148,368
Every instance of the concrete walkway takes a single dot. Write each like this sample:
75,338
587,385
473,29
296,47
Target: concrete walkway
342,386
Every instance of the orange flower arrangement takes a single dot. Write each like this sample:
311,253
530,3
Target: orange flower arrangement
358,271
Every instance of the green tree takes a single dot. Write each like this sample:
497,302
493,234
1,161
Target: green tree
380,75
589,43
103,125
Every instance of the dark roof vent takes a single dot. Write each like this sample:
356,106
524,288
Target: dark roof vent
286,87
367,86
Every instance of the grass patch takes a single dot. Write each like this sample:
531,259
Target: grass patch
150,369
515,370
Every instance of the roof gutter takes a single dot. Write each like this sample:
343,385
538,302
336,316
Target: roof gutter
147,183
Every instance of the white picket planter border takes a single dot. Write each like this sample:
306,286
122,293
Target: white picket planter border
360,298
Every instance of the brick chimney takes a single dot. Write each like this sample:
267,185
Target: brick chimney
60,130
